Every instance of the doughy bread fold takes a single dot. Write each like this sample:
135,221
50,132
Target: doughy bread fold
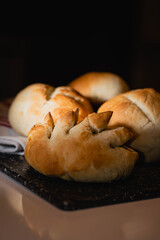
87,151
35,101
99,87
138,110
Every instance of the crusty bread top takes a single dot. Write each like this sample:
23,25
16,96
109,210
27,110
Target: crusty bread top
138,110
35,101
86,152
99,86
146,100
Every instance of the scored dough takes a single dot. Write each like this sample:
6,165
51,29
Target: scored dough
87,151
35,101
138,110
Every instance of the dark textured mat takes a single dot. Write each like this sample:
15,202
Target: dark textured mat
143,183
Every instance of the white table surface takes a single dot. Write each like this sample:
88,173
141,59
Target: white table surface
25,216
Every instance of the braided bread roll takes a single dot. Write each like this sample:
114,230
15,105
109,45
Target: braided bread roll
86,152
35,101
138,110
99,87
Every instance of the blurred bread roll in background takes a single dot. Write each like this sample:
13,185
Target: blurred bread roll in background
32,104
138,110
99,87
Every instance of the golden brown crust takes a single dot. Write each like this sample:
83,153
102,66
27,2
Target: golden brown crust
75,151
99,87
35,101
138,110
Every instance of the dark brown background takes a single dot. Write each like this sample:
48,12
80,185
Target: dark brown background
127,44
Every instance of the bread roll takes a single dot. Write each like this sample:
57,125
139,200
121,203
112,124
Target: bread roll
35,101
86,152
99,87
138,110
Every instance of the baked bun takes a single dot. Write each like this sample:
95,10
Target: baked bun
86,152
35,101
99,87
138,110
